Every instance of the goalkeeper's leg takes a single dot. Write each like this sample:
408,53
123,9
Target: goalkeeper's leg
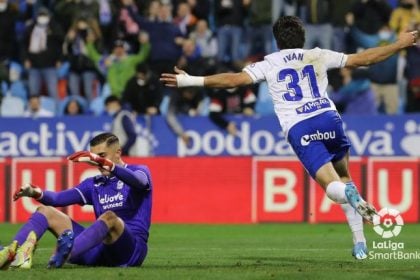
107,229
7,255
19,253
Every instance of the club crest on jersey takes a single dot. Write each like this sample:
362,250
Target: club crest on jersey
305,140
120,185
313,106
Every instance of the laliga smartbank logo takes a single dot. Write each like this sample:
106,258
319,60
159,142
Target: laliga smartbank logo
388,224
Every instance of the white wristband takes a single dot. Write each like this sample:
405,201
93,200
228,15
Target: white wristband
185,80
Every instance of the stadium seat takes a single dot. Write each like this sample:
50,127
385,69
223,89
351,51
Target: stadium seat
264,105
204,106
3,87
18,89
49,104
164,105
12,106
63,70
97,105
105,91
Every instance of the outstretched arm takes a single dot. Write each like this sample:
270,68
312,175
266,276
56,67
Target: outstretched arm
378,54
223,80
56,199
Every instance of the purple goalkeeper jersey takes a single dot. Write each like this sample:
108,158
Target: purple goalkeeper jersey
133,204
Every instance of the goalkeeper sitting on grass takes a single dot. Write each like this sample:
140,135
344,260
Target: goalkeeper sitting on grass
122,200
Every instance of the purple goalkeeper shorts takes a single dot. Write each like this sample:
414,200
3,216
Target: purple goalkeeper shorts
128,250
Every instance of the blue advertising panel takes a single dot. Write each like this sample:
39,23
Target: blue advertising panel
257,136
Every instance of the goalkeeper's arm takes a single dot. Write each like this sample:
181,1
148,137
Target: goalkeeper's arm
135,179
56,199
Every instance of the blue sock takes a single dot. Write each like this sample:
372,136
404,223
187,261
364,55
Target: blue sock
89,238
37,222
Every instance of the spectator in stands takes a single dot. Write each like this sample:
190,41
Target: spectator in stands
152,13
123,125
371,15
82,68
184,19
143,92
166,40
200,9
120,66
405,16
8,40
353,93
260,37
191,57
66,12
318,26
106,18
284,8
368,17
73,108
128,27
35,109
339,11
365,33
384,75
230,17
413,77
230,101
205,39
186,102
43,53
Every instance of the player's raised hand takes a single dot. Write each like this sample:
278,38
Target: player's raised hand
92,159
170,79
28,190
408,39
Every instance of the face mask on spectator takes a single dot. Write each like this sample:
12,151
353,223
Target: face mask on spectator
111,112
385,35
141,82
3,6
43,20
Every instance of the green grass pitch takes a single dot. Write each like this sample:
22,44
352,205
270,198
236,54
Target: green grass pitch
263,251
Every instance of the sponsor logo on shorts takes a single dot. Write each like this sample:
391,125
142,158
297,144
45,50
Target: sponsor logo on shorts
318,136
313,106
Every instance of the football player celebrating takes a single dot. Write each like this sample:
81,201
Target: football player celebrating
297,81
122,201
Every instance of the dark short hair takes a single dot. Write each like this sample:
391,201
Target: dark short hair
112,98
107,137
289,33
37,96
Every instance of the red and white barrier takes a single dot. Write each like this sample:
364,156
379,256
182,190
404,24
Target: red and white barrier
226,189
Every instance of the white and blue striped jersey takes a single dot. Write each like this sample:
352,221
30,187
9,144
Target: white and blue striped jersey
297,82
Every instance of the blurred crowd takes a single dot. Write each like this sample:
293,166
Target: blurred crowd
66,57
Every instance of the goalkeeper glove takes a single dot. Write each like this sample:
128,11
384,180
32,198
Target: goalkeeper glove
28,190
92,159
